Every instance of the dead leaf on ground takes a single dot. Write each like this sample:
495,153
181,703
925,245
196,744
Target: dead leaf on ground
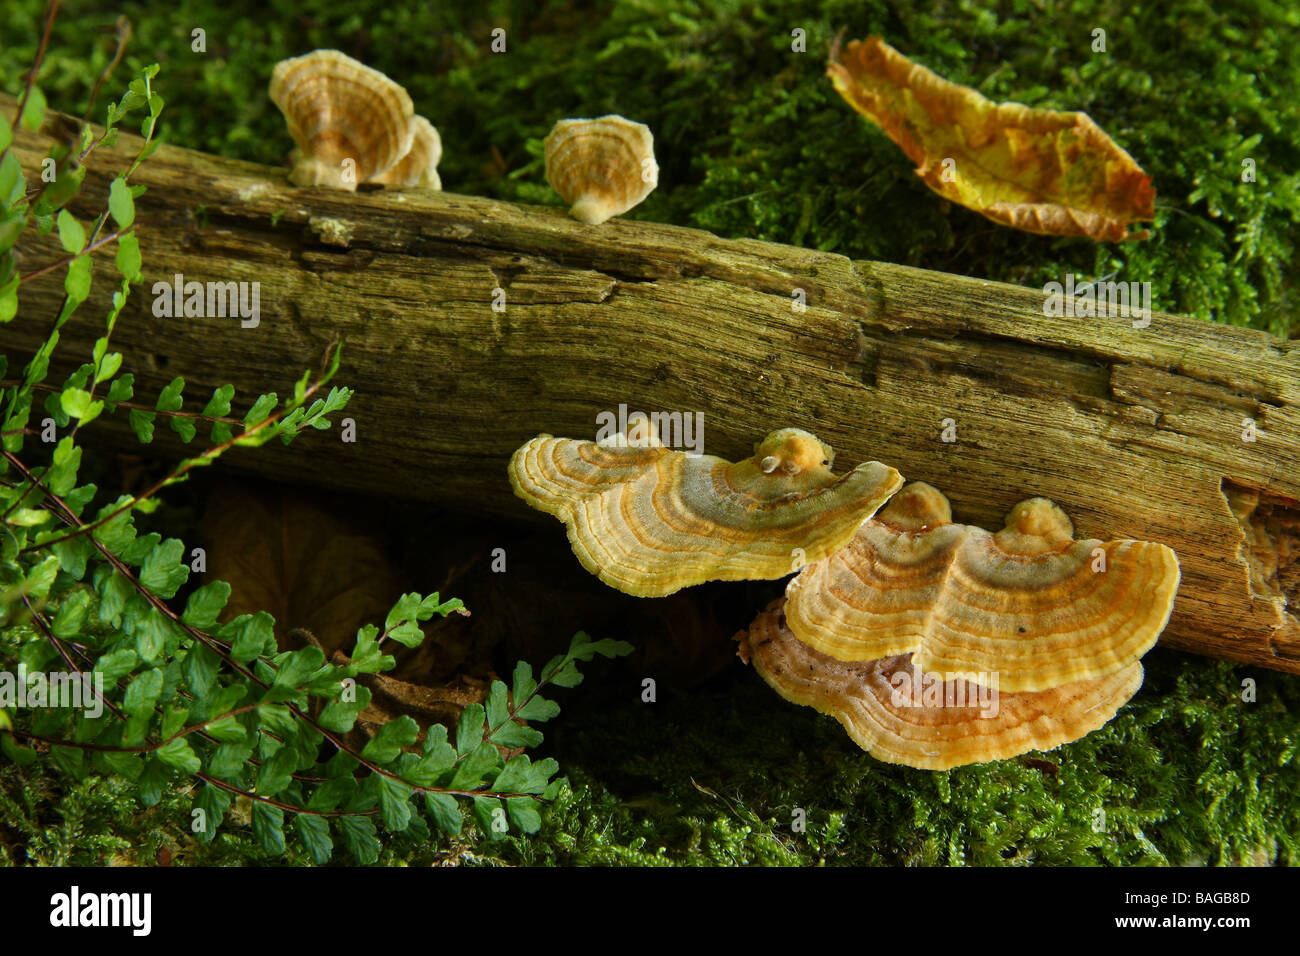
283,552
323,570
391,698
1042,171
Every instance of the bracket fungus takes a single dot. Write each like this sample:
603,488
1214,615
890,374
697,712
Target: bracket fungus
601,167
352,124
1029,603
418,169
649,520
901,715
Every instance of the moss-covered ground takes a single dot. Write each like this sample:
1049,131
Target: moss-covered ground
753,141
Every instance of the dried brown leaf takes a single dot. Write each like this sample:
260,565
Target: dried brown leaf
284,552
1042,171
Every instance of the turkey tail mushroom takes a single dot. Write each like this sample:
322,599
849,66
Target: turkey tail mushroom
899,714
351,123
649,520
1029,602
418,169
601,167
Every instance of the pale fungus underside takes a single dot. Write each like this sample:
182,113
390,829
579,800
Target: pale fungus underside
1029,602
650,521
352,124
899,714
600,167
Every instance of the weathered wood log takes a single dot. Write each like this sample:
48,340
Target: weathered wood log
1182,431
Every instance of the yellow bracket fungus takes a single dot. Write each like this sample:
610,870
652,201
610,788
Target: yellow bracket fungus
649,520
1029,602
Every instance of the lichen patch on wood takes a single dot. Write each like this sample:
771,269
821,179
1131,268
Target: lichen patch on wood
332,232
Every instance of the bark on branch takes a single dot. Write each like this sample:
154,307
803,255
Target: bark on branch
1136,432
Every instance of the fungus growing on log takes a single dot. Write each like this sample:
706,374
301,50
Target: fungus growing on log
601,167
418,169
649,520
901,715
351,123
1029,602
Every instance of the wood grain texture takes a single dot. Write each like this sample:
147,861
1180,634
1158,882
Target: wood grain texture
1135,432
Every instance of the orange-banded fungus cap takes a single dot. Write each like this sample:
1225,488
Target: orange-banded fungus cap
350,122
901,715
1029,602
418,169
649,520
601,167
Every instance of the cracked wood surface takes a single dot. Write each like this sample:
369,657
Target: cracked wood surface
1134,432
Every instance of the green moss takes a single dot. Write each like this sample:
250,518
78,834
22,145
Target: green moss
754,142
1187,773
